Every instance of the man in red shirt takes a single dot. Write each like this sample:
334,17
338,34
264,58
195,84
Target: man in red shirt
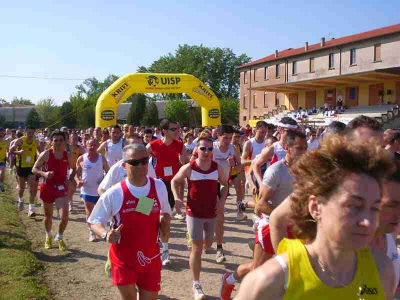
139,208
170,154
52,165
202,175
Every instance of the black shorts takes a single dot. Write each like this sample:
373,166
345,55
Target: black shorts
24,172
171,198
234,176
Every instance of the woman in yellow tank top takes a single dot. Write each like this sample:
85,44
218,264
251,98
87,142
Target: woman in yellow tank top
335,206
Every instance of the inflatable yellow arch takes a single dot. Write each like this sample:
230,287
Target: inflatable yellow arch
120,90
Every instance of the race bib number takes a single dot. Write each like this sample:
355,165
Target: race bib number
168,171
60,187
28,159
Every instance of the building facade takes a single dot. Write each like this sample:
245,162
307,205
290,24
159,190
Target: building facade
360,70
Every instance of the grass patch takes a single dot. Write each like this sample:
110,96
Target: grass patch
19,268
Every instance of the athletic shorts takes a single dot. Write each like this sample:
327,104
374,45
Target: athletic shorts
50,194
24,172
150,280
233,176
171,198
2,166
263,236
200,229
91,199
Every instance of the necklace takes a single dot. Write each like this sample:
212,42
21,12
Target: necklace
333,278
324,269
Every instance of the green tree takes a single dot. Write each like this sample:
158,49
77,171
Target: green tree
217,67
150,116
229,111
21,101
137,110
178,110
33,119
66,116
3,102
46,108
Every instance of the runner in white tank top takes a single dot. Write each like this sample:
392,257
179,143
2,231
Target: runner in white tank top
267,154
113,146
91,168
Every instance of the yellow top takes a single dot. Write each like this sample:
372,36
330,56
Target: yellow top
75,153
27,159
3,147
303,282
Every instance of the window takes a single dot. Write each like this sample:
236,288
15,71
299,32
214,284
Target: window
276,99
377,52
265,73
244,118
352,57
254,74
352,94
254,101
244,102
312,69
255,118
265,100
277,71
331,61
294,68
245,77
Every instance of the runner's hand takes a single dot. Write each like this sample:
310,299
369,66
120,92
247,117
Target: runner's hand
114,235
255,190
80,183
19,152
49,175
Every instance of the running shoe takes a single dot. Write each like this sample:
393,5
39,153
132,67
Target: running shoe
226,289
220,258
179,217
70,207
188,241
198,292
61,245
165,258
241,206
31,214
241,216
2,189
48,244
92,236
20,205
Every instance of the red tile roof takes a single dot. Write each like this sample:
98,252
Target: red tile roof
328,44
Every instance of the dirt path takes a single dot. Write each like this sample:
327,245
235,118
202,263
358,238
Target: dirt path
79,273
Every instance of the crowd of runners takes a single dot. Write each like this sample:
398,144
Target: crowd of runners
325,202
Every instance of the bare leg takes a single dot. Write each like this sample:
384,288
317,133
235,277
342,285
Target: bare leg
88,208
48,216
33,186
147,295
195,259
64,215
21,185
127,292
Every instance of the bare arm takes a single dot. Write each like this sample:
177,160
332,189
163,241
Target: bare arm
262,205
13,149
246,153
42,159
165,223
386,273
106,167
239,165
266,154
148,148
264,283
72,166
221,177
102,147
178,181
278,222
78,175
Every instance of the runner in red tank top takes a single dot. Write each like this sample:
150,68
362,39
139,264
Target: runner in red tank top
169,154
135,205
202,175
53,165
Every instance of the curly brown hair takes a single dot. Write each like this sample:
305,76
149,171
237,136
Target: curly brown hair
319,172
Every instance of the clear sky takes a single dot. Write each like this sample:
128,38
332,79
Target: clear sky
81,39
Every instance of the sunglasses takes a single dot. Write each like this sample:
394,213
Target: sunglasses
206,148
136,162
174,129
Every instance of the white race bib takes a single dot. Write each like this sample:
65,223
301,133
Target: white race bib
27,159
60,187
168,171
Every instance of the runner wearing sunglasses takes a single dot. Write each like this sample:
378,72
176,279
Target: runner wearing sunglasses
202,175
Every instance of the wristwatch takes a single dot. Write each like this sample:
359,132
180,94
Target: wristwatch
104,236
